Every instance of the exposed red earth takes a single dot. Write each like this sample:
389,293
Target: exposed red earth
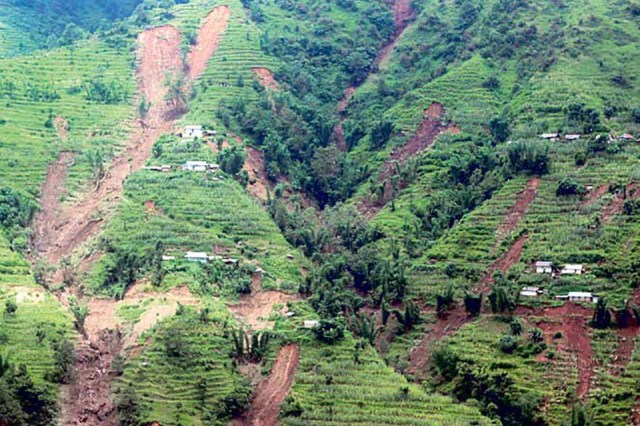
271,392
59,231
517,212
422,140
402,14
208,39
265,78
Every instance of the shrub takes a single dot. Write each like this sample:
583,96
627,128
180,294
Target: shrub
473,304
529,157
516,326
329,331
508,344
569,187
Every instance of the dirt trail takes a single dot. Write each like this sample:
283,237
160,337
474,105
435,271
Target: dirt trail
447,324
503,263
62,127
270,393
265,78
517,212
422,140
209,37
402,14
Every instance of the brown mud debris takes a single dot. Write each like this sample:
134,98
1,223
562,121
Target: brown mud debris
271,392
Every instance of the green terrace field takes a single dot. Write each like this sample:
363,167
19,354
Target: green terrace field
614,392
332,388
37,310
229,76
565,230
185,374
554,381
35,89
191,211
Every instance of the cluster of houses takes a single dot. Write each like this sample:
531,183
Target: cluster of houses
200,166
193,131
545,267
202,257
191,166
556,137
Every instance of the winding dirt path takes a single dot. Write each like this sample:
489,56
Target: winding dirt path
270,393
209,37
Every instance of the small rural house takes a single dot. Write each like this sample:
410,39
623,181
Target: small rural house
310,323
550,136
544,267
572,137
627,137
197,256
210,132
530,292
572,270
167,258
195,166
229,261
165,168
582,296
192,132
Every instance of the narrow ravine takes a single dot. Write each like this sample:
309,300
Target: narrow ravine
402,15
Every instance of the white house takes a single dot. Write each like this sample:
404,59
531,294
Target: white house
544,267
165,168
167,258
627,137
310,323
197,256
572,270
582,296
192,132
530,292
572,137
550,136
195,166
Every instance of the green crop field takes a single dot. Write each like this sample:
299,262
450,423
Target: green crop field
333,388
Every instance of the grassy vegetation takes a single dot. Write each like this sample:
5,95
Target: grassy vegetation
196,212
185,374
332,387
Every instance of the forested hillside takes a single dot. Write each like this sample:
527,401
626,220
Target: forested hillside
262,212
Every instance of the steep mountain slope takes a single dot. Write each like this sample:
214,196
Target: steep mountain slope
347,237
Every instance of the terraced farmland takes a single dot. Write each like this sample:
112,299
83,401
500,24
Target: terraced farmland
190,378
332,387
